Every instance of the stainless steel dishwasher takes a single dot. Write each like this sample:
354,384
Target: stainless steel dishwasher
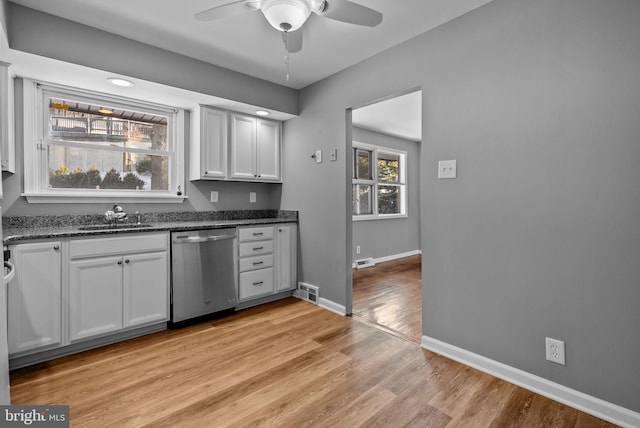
204,272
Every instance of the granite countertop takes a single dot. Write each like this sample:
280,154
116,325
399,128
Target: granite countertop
46,227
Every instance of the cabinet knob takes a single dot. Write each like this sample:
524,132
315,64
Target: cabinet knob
206,172
119,262
56,247
127,261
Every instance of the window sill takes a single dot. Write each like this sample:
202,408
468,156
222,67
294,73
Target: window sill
378,217
91,198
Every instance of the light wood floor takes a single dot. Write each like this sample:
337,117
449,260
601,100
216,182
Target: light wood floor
284,364
389,295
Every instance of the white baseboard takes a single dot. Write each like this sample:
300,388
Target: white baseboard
392,257
332,306
594,406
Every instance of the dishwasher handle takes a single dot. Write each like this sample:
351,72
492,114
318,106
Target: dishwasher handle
196,239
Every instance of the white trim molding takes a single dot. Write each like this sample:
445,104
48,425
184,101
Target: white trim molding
332,306
594,406
392,257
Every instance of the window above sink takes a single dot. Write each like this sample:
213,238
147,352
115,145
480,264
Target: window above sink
83,146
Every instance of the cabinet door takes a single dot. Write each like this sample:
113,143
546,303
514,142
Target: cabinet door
268,148
243,147
145,288
95,297
213,143
34,297
286,256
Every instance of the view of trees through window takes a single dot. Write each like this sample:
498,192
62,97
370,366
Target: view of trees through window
378,182
97,147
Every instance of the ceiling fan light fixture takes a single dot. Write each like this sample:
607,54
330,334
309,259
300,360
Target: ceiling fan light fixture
286,15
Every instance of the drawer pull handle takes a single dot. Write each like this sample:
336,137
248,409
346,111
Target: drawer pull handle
258,233
258,248
258,283
257,263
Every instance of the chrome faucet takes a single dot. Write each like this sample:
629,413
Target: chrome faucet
116,214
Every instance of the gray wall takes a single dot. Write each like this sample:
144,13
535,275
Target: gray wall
538,236
381,238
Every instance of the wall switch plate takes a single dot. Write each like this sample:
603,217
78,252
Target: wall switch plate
334,155
554,350
447,169
318,156
214,196
357,249
252,196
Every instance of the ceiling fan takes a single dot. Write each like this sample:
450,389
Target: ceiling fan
288,16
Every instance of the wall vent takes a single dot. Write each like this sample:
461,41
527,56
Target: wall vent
307,292
363,263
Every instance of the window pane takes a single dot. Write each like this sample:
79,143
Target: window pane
361,196
388,167
362,165
389,200
98,125
80,168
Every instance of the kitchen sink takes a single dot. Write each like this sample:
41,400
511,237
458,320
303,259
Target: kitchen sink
114,226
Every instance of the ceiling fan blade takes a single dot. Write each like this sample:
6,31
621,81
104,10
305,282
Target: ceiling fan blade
353,13
223,11
292,40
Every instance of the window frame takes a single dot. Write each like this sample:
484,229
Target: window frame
374,182
36,170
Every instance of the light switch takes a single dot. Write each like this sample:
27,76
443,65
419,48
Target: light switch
447,169
334,155
252,196
318,156
214,196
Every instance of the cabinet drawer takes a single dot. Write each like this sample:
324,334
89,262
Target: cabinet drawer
255,248
256,283
254,263
94,247
255,233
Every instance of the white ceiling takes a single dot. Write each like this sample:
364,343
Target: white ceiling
246,43
400,116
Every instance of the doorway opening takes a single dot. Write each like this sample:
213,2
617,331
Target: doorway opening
386,279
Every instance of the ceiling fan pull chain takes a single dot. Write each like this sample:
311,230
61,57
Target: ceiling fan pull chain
286,53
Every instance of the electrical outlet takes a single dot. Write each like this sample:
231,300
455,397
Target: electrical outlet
252,197
214,196
357,249
555,350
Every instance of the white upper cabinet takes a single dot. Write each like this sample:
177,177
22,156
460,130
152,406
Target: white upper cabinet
268,150
255,149
7,144
243,147
208,154
231,146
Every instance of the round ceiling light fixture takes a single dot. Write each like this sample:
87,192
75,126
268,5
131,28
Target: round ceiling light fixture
120,82
286,15
262,113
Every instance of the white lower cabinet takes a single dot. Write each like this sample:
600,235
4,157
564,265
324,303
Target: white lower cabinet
110,291
69,291
286,247
95,297
34,296
146,289
267,260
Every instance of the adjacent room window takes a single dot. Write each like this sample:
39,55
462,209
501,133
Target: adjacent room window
87,145
379,182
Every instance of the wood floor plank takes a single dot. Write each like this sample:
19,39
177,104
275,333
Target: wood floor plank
285,364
